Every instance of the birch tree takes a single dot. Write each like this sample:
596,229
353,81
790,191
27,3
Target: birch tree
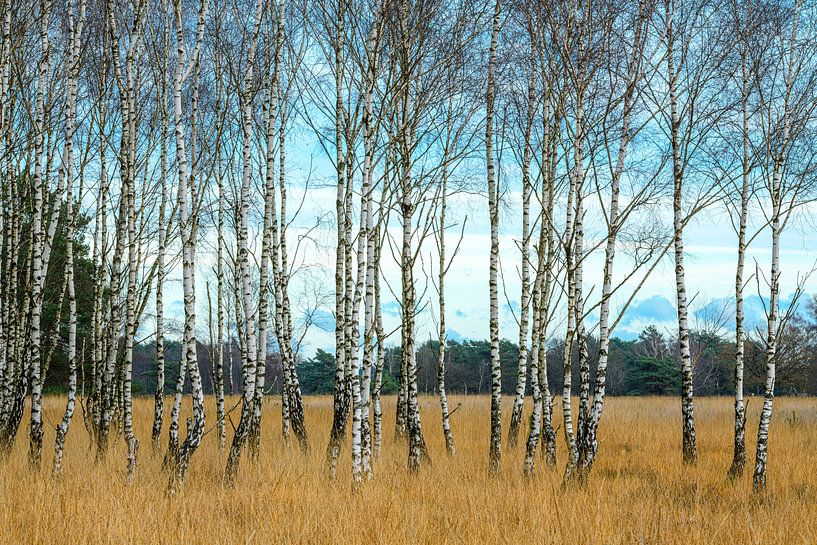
248,326
547,252
694,51
787,108
341,404
187,230
527,188
361,432
268,246
38,242
494,454
158,398
9,238
75,40
280,257
645,252
746,32
127,82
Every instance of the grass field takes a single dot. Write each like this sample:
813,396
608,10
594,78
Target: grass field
639,491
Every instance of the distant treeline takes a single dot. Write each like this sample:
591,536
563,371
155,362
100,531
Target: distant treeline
643,366
647,365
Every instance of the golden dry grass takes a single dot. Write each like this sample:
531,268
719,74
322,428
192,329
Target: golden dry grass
639,492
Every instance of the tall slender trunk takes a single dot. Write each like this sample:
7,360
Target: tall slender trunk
581,333
219,352
549,160
62,428
417,451
8,213
339,414
218,379
777,222
377,410
187,230
540,419
127,81
98,402
37,279
158,396
689,448
739,452
759,478
291,383
450,448
268,254
573,257
494,451
357,398
130,303
589,419
405,141
525,296
249,340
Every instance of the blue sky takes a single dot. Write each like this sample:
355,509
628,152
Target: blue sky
710,268
710,258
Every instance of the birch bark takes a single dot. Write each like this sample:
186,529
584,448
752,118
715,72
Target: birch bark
494,453
739,452
75,43
187,229
158,396
689,448
777,197
450,448
340,403
38,242
249,341
588,446
525,296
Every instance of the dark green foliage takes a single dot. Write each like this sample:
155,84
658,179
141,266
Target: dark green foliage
57,375
653,376
317,374
389,385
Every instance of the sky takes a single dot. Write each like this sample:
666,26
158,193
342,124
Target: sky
710,259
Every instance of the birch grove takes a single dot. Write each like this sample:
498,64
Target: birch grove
335,172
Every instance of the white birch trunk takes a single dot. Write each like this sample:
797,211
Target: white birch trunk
38,242
525,296
249,339
268,246
739,452
777,197
589,424
62,428
689,448
187,229
377,410
759,478
442,339
158,396
572,259
494,452
340,403
291,383
219,363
